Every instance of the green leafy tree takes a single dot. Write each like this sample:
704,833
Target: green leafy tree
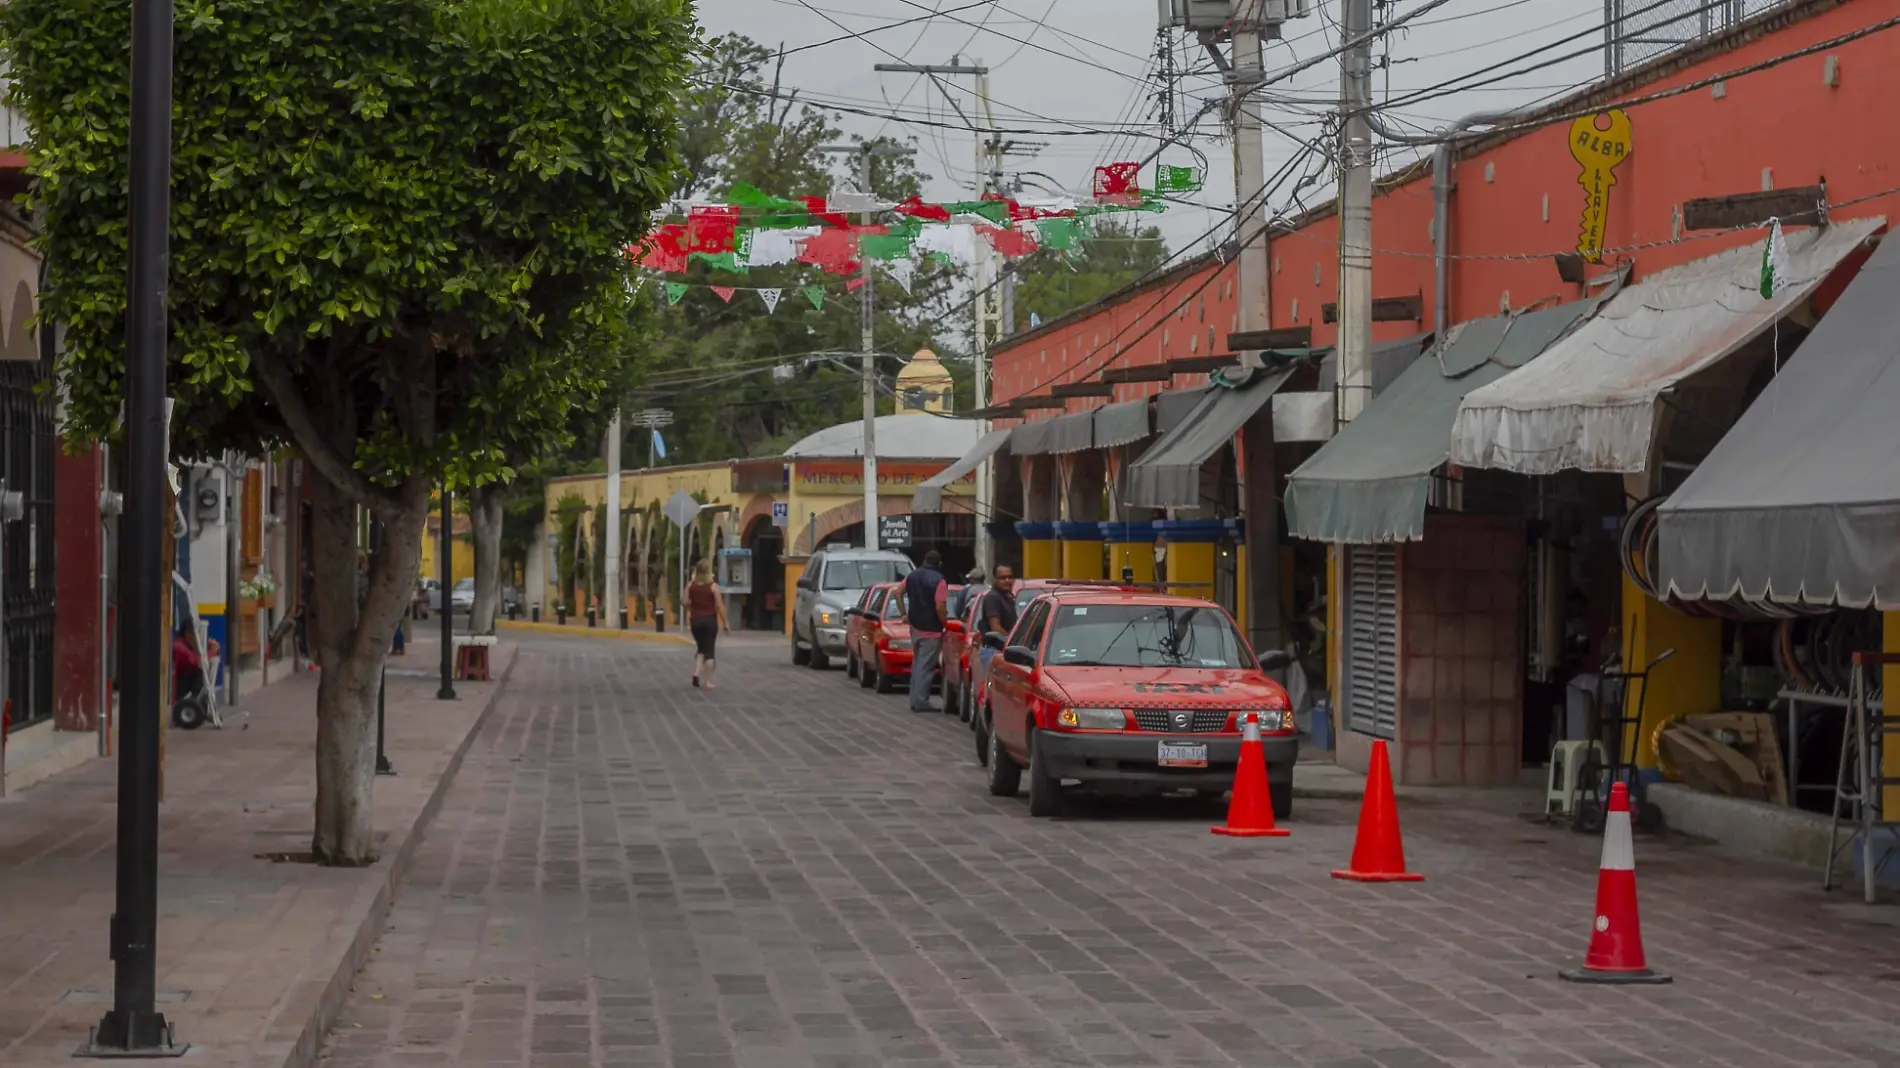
1051,283
396,245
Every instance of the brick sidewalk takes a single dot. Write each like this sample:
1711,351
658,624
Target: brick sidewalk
254,957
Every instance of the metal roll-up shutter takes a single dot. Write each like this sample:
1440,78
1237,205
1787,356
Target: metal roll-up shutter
1372,639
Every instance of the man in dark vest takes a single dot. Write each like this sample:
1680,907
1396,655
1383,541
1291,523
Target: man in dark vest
925,594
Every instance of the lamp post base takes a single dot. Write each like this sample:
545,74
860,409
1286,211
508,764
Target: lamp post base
128,1036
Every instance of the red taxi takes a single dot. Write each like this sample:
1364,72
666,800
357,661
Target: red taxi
1129,692
878,639
964,674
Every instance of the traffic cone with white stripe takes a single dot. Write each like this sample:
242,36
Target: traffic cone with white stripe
1616,938
1250,811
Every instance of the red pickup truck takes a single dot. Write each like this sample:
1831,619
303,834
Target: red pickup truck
1129,692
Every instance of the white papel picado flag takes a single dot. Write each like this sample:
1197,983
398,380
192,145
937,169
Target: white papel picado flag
1775,271
770,297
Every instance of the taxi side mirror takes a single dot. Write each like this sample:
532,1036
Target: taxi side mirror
996,641
1275,659
1020,655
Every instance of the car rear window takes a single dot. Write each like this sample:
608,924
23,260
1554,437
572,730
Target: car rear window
857,574
1139,635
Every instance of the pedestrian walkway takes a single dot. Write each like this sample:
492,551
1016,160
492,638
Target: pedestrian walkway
253,955
578,628
794,872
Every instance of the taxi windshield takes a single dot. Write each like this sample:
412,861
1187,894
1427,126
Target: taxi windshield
1145,635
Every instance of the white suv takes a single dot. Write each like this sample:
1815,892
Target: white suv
834,579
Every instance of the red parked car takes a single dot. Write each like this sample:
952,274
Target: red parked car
1129,692
879,654
963,673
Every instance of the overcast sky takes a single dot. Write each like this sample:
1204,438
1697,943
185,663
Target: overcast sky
1061,66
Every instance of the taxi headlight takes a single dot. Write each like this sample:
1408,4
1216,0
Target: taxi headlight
1271,719
898,644
1092,719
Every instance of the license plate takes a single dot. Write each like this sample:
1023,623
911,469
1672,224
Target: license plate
1177,755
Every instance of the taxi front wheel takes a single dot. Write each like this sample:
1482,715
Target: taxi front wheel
1045,790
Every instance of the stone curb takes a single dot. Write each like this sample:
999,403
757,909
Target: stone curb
669,638
303,1053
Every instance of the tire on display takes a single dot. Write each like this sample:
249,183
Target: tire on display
1281,795
950,699
1045,790
851,667
800,655
865,678
982,735
885,683
819,661
1006,776
191,713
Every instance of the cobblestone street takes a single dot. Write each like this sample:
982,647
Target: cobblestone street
791,871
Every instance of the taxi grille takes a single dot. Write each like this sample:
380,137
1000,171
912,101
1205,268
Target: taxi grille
1161,720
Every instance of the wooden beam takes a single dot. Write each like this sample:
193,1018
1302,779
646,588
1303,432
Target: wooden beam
1032,403
1805,205
1083,389
994,411
1147,372
1288,337
1199,365
1385,310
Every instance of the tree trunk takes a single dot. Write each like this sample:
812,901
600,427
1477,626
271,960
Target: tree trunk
353,642
484,513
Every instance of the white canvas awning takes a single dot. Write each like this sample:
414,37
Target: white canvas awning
929,494
1589,403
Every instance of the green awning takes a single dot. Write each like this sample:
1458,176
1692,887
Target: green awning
1369,483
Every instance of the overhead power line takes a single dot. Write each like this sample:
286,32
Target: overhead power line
859,35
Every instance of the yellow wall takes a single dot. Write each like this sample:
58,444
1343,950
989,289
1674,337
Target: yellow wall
1137,555
794,570
1082,560
1192,564
461,558
1040,560
1688,683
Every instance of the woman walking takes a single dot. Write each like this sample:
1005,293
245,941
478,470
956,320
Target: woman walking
707,609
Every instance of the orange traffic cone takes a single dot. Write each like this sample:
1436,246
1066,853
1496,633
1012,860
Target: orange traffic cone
1250,813
1616,939
1378,854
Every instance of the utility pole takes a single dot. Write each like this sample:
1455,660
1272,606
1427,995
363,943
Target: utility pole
134,1026
989,168
616,597
867,321
1250,171
1355,210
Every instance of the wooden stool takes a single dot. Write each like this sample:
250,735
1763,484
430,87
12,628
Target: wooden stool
471,659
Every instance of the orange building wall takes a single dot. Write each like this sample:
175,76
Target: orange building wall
1784,121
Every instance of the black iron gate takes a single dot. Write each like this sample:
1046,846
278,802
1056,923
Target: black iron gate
26,588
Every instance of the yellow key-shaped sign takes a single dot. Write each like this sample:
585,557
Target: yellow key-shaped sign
1600,144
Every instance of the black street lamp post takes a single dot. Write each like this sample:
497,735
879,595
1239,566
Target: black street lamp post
133,1026
444,544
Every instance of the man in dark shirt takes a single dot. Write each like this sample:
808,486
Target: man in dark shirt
925,594
997,616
